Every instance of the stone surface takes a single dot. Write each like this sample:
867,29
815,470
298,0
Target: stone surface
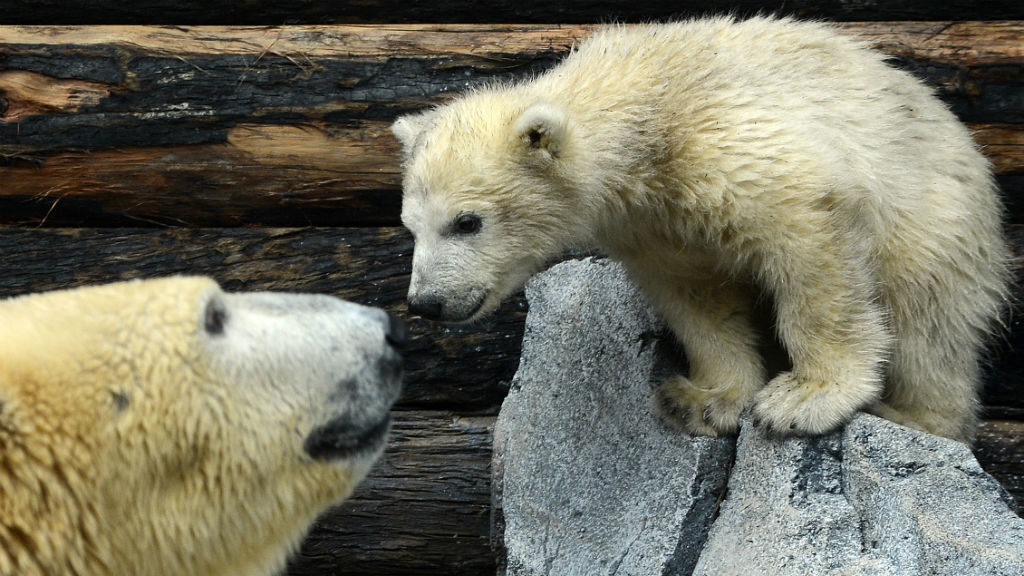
874,499
787,512
589,480
927,506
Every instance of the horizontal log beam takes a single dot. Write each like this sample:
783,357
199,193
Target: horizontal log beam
370,11
464,367
1000,450
276,175
270,175
288,126
425,507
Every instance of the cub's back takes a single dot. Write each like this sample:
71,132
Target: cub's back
775,87
721,53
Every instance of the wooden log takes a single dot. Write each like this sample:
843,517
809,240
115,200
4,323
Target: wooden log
521,11
275,175
425,507
464,367
268,175
1000,450
288,126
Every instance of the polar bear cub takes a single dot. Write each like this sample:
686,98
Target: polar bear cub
165,427
723,161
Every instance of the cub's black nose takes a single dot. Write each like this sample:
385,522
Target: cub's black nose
398,334
429,308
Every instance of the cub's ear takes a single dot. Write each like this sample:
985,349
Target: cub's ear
543,128
408,129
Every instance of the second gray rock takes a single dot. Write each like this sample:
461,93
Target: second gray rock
876,499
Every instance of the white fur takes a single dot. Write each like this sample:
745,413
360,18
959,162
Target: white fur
721,160
135,439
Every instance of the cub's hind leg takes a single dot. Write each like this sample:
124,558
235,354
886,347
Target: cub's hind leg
941,329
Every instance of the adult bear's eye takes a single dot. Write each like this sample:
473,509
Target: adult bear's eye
466,224
215,318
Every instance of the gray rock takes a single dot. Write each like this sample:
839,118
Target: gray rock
926,505
874,499
787,512
588,479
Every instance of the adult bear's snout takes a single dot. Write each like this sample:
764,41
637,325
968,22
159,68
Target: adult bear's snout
397,333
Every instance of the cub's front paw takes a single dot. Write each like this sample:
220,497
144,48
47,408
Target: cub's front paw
790,406
699,411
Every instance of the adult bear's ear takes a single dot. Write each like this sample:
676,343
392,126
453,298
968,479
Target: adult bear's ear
408,129
543,129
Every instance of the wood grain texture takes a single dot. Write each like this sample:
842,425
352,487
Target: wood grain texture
369,11
288,126
468,368
1000,450
455,367
424,509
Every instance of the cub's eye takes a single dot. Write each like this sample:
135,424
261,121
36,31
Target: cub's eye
215,317
466,224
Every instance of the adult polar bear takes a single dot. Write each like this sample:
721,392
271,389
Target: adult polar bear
167,428
720,160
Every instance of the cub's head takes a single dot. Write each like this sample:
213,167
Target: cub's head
491,192
167,427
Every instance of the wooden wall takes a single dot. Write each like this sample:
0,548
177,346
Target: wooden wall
261,155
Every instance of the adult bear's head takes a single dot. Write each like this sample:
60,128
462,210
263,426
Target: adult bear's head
167,427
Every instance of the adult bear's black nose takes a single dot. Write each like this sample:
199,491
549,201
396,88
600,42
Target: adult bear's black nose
429,308
398,333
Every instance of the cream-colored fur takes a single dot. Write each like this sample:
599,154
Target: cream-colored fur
167,428
724,160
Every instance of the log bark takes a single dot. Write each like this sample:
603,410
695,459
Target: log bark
467,368
1000,450
424,509
288,126
520,11
455,367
